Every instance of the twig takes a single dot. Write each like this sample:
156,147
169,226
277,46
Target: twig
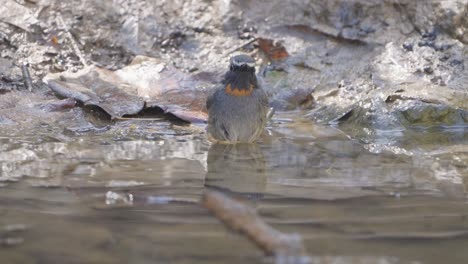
27,77
244,219
241,46
72,40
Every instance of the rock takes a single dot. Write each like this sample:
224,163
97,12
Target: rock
15,14
408,46
428,69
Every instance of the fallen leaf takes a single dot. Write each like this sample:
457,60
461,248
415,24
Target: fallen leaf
274,50
146,83
91,87
163,86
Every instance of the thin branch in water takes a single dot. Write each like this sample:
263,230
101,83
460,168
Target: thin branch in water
287,248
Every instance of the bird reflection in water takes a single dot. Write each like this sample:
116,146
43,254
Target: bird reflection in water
237,168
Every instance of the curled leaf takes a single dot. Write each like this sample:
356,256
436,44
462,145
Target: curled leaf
145,83
274,50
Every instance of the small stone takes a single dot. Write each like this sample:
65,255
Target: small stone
199,30
438,80
426,43
408,46
245,35
455,62
430,35
428,70
445,57
442,47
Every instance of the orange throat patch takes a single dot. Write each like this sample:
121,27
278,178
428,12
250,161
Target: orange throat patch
237,91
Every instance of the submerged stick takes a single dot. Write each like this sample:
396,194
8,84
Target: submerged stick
27,77
72,40
245,220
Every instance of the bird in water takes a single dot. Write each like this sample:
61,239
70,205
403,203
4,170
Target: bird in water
237,110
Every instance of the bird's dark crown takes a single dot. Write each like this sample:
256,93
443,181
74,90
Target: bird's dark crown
240,80
242,62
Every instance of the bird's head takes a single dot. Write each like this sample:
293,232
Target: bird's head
240,80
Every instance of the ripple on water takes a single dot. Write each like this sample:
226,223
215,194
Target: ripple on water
136,200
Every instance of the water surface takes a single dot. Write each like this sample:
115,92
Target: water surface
129,193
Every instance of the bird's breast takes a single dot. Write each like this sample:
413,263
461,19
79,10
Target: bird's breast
238,91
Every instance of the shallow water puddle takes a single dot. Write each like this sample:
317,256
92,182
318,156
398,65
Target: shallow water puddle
130,194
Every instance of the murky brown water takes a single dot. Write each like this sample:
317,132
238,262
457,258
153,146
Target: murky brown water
129,194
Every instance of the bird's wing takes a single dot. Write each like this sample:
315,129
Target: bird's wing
209,100
270,111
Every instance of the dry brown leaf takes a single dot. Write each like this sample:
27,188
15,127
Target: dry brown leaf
144,83
274,50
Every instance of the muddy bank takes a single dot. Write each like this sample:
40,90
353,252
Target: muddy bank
377,64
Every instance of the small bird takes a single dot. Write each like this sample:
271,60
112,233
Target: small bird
237,110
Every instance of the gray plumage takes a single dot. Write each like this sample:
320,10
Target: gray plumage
234,118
